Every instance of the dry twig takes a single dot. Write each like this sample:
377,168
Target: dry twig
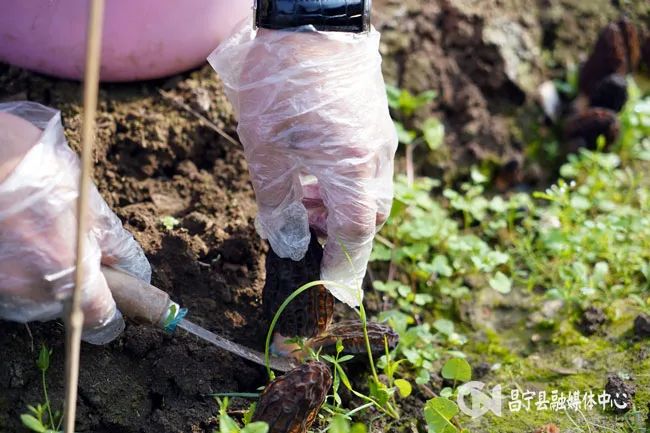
210,124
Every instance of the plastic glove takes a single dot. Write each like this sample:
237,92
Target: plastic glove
39,178
314,122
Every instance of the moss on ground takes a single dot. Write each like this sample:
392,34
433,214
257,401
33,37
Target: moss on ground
580,364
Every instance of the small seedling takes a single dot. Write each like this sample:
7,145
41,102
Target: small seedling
341,424
40,418
431,132
339,373
169,222
229,425
439,412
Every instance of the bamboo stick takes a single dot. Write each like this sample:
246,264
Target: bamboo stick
75,316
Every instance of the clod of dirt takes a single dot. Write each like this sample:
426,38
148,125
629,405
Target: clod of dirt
548,428
291,402
611,93
592,320
642,325
310,313
621,393
197,223
235,250
153,160
509,175
480,370
427,46
140,340
351,334
583,129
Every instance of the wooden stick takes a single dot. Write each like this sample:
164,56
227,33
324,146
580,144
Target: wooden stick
75,319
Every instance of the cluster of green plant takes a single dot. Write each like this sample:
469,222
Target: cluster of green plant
411,132
169,222
381,395
585,241
40,418
440,412
228,425
404,105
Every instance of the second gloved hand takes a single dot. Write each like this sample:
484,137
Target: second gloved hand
39,176
319,141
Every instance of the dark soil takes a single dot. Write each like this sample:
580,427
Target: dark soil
153,159
621,393
592,320
486,60
642,325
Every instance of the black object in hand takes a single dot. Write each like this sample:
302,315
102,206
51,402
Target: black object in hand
325,15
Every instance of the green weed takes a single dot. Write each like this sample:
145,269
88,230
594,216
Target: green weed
40,418
229,425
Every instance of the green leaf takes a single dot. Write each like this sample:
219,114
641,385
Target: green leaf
444,326
256,427
423,377
446,392
438,412
227,424
32,423
477,176
34,410
434,133
501,283
337,397
404,387
169,222
457,369
405,136
381,252
392,93
441,266
344,377
345,358
339,346
43,362
339,424
379,392
248,415
426,97
329,358
422,298
358,427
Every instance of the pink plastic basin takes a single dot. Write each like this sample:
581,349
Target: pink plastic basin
142,39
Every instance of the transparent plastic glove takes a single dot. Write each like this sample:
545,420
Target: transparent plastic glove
39,177
318,138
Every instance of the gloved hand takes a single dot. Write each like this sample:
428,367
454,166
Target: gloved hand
319,141
39,177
